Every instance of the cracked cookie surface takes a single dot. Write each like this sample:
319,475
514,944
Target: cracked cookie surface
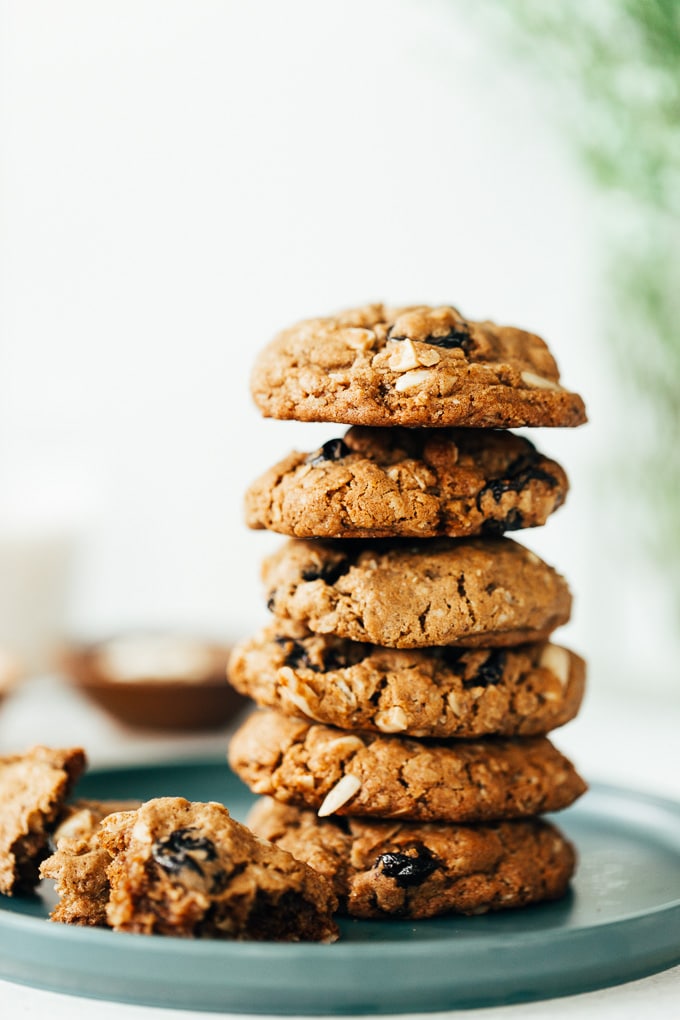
183,868
33,789
470,592
413,870
432,692
378,482
357,773
416,366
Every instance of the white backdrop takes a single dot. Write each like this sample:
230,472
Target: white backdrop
180,180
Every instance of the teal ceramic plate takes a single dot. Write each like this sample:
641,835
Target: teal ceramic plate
620,921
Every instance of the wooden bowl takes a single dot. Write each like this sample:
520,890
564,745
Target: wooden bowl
160,681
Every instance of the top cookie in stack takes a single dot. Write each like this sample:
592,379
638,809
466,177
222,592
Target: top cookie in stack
404,621
415,366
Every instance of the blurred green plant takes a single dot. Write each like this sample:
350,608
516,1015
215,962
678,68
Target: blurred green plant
614,70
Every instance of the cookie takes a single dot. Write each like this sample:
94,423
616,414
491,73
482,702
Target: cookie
429,692
357,773
33,789
189,869
379,483
410,870
412,366
409,594
78,864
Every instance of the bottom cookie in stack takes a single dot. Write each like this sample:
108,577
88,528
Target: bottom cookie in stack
418,870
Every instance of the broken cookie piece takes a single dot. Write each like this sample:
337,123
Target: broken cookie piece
79,864
189,869
33,789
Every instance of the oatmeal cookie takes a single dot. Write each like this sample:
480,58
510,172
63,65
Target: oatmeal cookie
359,773
418,366
416,870
189,869
33,789
412,594
78,864
379,483
422,692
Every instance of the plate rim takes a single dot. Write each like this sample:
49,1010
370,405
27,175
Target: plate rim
602,790
161,951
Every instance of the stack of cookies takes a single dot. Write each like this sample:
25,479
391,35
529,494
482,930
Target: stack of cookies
407,681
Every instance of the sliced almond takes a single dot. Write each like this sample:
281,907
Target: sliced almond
455,703
410,380
402,356
557,660
346,692
296,691
428,356
343,791
539,381
300,703
392,720
358,339
344,746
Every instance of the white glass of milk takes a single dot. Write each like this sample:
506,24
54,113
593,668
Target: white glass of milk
36,561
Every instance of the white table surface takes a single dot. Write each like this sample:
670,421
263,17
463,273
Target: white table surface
619,737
